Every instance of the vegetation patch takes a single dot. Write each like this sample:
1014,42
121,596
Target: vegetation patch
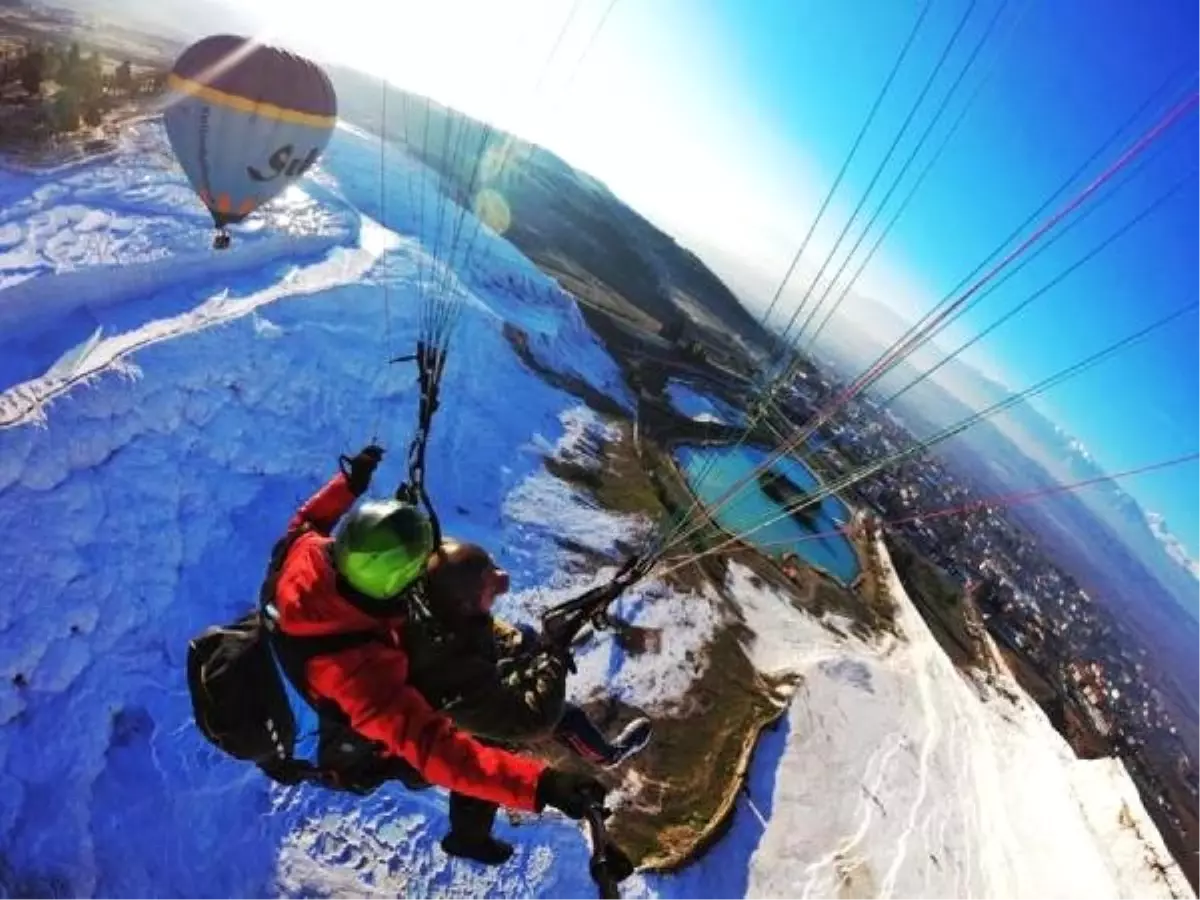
60,99
952,616
681,791
688,779
686,782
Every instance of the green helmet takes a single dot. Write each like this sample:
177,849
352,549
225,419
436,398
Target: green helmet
382,547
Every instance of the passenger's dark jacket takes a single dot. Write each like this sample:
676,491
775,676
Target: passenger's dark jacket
490,678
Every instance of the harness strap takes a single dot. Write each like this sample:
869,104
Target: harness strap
291,654
431,362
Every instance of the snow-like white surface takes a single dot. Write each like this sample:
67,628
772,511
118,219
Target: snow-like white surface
901,778
544,508
691,403
166,407
654,681
196,399
1171,544
550,508
27,401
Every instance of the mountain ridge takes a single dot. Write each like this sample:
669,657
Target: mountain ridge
566,220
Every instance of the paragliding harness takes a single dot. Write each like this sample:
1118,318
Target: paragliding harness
246,681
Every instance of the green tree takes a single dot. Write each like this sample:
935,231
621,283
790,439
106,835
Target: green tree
89,78
31,71
124,77
70,62
65,113
52,67
92,114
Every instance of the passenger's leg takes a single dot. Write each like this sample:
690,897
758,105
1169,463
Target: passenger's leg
578,734
470,833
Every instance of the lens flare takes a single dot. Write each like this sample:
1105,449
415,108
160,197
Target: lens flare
492,209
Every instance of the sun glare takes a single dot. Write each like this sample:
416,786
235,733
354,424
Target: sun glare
647,108
482,57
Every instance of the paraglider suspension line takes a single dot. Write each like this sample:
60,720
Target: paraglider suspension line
430,364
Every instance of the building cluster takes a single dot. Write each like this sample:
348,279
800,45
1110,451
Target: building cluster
1028,603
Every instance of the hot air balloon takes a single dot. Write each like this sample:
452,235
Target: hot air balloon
245,121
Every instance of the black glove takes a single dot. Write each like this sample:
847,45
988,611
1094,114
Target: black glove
359,469
632,571
573,794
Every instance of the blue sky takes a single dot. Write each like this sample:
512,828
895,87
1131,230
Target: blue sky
1065,80
726,121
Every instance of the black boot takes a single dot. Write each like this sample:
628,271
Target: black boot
470,834
488,850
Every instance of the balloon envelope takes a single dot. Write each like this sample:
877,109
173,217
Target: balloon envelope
245,121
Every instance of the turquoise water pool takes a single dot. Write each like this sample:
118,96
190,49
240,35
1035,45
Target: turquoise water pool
711,471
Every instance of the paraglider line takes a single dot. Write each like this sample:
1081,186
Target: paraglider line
896,354
1108,142
385,274
562,32
895,143
588,47
1054,282
1144,141
1112,138
1015,498
870,469
846,162
912,157
912,112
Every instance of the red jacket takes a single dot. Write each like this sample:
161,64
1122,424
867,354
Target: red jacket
369,683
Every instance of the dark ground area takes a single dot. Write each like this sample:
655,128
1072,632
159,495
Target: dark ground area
698,761
693,770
